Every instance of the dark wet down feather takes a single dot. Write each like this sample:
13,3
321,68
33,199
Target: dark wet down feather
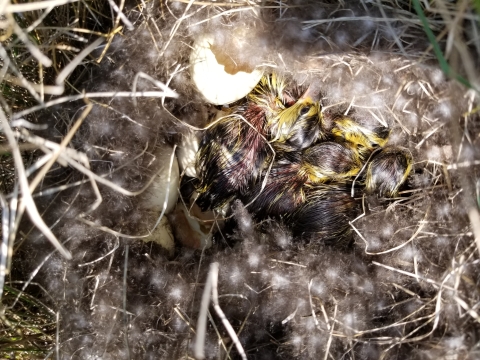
388,170
326,213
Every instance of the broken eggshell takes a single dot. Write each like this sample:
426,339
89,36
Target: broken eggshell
192,227
187,152
163,236
219,78
154,197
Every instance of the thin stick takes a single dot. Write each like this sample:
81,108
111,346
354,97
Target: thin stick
167,193
420,227
4,247
38,5
111,94
121,15
329,342
27,199
220,313
67,70
125,315
211,284
198,350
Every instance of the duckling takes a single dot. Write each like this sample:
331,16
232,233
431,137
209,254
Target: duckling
325,213
330,161
283,191
297,127
388,170
293,116
231,156
234,151
364,140
270,94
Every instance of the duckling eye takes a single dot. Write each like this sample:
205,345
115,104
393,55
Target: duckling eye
305,110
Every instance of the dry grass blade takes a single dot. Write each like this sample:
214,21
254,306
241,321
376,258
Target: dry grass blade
62,76
211,290
27,199
112,94
38,5
199,351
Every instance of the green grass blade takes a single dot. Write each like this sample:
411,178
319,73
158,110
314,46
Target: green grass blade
436,47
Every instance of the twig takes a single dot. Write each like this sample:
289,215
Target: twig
211,284
329,342
124,295
27,199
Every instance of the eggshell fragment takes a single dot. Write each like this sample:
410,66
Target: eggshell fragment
154,197
217,76
192,227
187,152
163,236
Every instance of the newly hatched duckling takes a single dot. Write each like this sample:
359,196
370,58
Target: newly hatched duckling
283,191
231,156
325,214
271,95
234,151
330,161
297,127
363,139
293,117
388,170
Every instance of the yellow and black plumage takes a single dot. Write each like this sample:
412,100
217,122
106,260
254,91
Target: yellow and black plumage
315,161
388,170
330,162
234,151
283,191
361,138
271,95
297,127
231,156
325,213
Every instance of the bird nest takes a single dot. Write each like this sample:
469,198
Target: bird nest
164,223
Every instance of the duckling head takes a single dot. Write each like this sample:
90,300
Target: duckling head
296,127
270,95
388,171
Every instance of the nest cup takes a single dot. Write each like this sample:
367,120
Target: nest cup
405,286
